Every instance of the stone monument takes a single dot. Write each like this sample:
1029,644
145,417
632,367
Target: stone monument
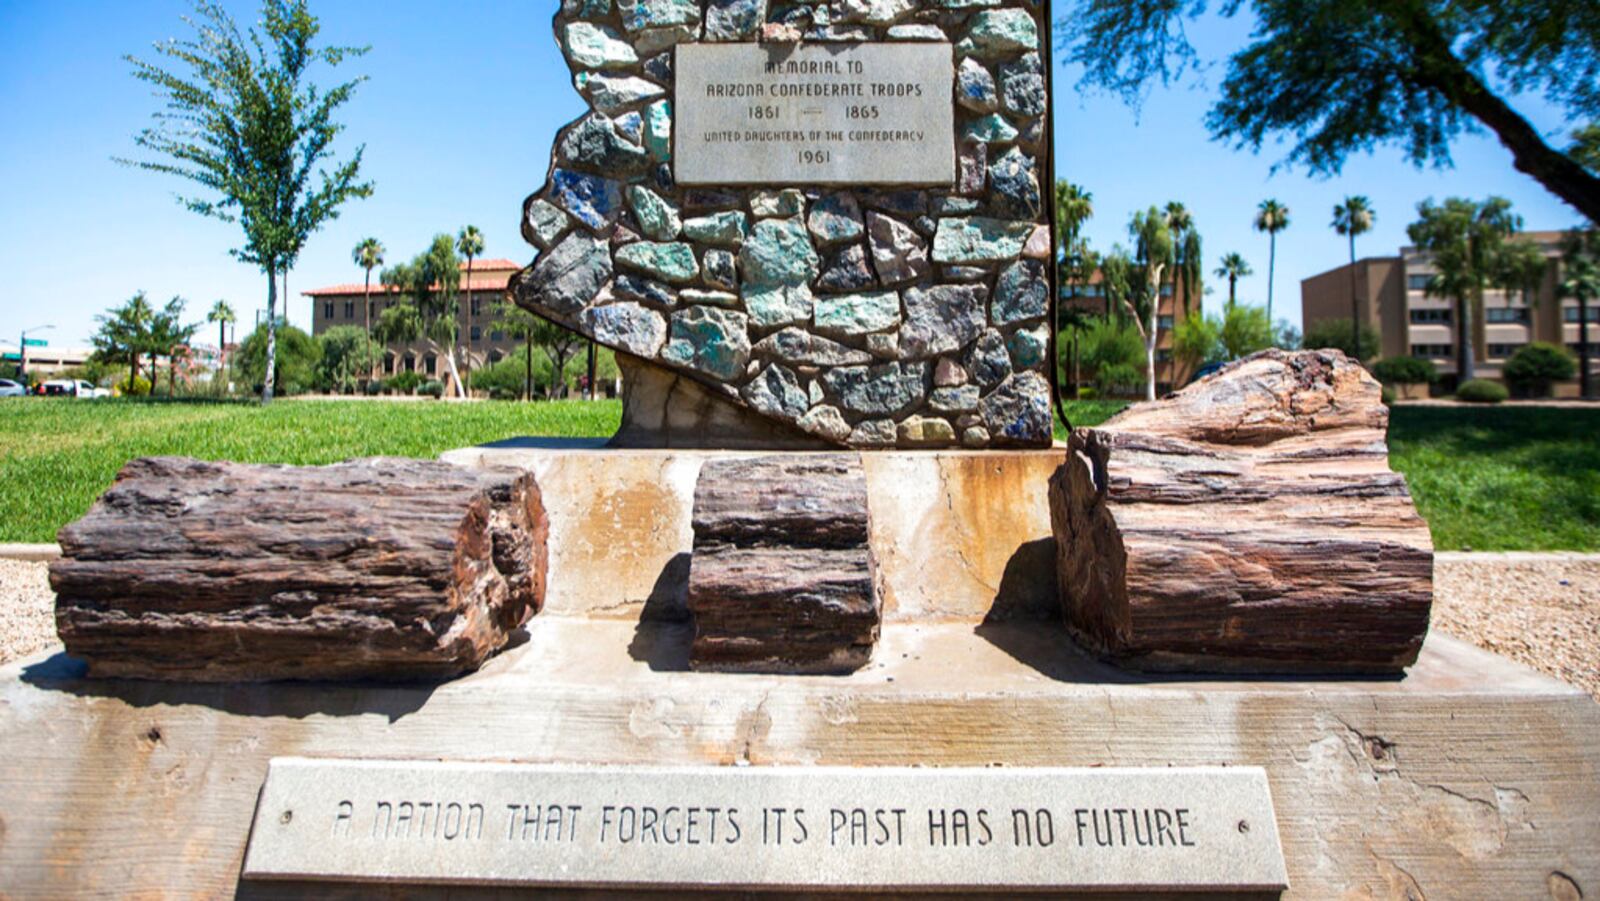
832,218
709,657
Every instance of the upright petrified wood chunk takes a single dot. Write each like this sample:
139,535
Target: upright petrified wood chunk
368,569
782,579
1249,522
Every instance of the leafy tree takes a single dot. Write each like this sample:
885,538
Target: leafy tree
1196,342
469,243
1114,350
525,327
346,357
1075,322
1351,218
399,323
1464,239
1581,281
1286,336
1538,365
1335,333
1233,268
299,357
1271,217
244,121
169,338
1405,371
1343,76
560,345
1522,269
1153,256
124,333
369,256
1116,279
431,281
1074,206
1243,330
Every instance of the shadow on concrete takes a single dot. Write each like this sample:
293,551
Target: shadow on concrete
1028,586
296,700
665,629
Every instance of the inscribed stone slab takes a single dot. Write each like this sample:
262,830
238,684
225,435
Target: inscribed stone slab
868,113
766,827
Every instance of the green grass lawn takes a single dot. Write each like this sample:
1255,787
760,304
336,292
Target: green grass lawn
1496,478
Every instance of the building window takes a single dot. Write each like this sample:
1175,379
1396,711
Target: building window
1501,351
411,363
430,364
1428,351
495,356
1570,314
327,309
349,309
1577,347
1418,282
1506,314
388,364
1166,290
1163,355
477,307
497,336
1431,316
477,332
1164,323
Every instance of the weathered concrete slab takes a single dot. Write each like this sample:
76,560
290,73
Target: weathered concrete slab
959,536
1470,777
798,828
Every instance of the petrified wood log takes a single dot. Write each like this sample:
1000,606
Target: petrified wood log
1248,523
782,579
368,569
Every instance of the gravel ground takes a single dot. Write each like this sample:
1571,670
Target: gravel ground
27,620
1539,609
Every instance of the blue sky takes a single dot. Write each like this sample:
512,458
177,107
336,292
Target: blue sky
458,117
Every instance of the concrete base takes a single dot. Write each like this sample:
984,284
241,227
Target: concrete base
1470,777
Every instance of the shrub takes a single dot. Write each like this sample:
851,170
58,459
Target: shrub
1481,391
372,387
295,371
1535,367
432,388
1087,392
1405,371
141,387
1388,396
403,382
503,380
1335,333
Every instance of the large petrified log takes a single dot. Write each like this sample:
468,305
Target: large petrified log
782,579
378,568
1249,522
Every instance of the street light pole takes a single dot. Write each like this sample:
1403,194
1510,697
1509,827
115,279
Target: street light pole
22,352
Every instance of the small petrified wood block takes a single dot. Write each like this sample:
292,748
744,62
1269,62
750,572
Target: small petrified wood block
369,569
783,579
1248,523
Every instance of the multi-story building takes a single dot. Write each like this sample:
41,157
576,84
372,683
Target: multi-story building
1091,298
480,342
1391,296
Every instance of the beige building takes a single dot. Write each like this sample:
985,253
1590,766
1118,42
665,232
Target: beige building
480,343
1391,295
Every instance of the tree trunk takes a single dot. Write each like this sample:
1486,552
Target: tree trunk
1464,356
1248,523
1272,264
782,579
1584,388
450,361
471,315
379,568
366,316
1355,303
272,334
593,394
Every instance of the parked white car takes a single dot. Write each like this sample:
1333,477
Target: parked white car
76,387
9,388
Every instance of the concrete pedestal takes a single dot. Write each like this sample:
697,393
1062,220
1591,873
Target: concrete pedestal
1470,777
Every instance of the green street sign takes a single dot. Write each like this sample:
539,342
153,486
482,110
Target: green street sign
35,342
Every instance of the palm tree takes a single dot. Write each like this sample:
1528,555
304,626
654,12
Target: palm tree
1581,282
222,315
1074,207
1354,217
1188,267
1271,217
1464,239
369,256
1233,268
469,243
